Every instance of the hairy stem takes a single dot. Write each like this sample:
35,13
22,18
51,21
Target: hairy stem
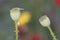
52,33
16,27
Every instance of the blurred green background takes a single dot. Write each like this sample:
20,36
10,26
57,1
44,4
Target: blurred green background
37,8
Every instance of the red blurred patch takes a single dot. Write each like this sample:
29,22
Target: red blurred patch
22,30
57,2
36,36
21,33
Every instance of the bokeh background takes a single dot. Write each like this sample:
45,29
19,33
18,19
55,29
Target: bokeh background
37,8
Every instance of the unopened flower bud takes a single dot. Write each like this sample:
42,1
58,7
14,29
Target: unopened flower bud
44,21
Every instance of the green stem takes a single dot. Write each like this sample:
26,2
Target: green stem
16,26
52,33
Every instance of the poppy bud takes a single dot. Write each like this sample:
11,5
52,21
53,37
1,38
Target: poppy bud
15,13
44,21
